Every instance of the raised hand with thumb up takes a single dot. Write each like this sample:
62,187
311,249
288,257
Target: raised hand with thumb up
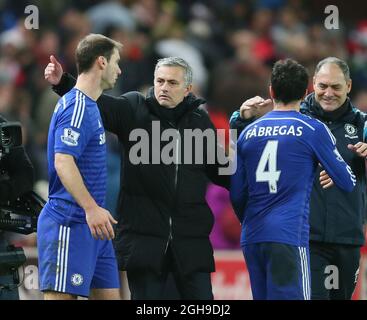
53,71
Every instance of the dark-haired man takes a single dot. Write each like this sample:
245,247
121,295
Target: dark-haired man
270,193
76,256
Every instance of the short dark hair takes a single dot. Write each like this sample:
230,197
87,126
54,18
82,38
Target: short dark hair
91,47
289,81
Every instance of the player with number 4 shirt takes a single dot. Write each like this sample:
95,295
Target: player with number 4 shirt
276,164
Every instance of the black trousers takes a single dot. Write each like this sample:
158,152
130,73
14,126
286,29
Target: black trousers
334,270
169,284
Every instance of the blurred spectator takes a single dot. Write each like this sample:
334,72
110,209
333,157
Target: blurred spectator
358,48
110,13
137,61
290,36
146,13
244,75
360,100
271,4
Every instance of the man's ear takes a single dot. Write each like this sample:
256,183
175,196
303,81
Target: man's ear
188,90
349,85
271,92
102,62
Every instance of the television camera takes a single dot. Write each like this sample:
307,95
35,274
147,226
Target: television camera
19,216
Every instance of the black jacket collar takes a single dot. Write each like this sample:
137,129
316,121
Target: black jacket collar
312,106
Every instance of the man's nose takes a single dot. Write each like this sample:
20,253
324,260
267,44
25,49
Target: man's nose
329,92
164,86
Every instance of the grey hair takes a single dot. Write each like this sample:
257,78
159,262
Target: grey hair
176,62
340,63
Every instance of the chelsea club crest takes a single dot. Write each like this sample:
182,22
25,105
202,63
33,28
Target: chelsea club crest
350,131
76,279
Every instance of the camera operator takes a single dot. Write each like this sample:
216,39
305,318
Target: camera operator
16,178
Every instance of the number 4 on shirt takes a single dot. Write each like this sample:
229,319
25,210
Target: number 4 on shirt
269,158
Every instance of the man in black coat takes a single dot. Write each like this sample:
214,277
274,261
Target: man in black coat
164,220
337,218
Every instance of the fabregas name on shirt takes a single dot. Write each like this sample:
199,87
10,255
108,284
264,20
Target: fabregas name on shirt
285,130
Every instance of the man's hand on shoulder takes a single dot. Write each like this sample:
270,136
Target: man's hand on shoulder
255,107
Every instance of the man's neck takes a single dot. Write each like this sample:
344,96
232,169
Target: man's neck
89,84
292,106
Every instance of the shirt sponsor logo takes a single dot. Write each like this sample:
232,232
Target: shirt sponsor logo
70,137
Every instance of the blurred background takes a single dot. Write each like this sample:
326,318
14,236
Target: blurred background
231,46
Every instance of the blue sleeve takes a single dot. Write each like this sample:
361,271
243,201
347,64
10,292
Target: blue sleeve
324,145
72,130
239,187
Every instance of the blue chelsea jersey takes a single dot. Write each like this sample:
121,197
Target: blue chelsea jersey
276,165
76,129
